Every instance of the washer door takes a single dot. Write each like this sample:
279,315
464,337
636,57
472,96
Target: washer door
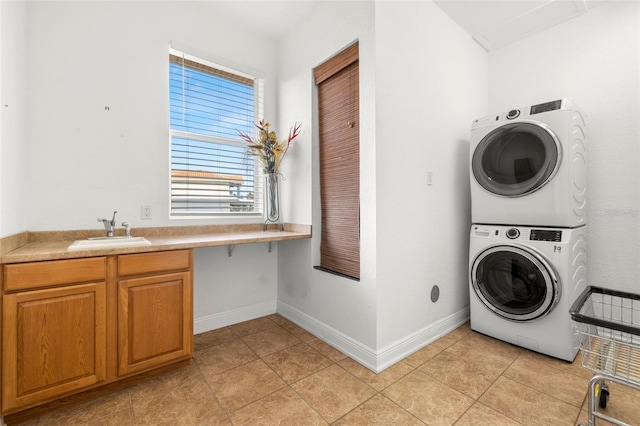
515,282
516,159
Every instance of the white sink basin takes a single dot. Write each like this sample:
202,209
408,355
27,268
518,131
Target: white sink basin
109,242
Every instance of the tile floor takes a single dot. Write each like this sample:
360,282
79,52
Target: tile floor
269,371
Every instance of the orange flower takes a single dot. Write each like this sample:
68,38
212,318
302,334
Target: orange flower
266,146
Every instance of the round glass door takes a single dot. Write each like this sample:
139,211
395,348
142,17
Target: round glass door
514,283
516,159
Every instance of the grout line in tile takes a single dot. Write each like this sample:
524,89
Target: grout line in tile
477,400
309,405
213,393
528,385
131,411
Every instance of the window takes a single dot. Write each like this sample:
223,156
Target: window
338,119
211,173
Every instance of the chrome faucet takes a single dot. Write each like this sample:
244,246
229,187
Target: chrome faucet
127,229
109,225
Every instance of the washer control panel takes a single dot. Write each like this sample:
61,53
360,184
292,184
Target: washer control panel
513,233
546,235
514,113
523,233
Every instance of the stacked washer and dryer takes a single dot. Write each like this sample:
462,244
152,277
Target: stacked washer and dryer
528,251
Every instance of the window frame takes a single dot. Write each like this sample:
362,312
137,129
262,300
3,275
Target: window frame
228,73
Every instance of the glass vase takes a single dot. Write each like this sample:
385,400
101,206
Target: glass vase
272,201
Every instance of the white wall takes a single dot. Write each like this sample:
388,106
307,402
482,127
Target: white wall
595,60
227,291
431,81
85,161
341,309
13,65
418,96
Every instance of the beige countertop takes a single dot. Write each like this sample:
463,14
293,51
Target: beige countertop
53,245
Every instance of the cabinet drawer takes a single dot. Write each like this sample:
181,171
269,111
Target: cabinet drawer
20,276
146,263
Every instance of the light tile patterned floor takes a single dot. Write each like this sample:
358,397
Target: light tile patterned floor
269,371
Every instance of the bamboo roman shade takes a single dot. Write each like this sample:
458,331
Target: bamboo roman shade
338,110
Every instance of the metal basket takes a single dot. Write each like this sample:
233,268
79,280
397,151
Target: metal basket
609,320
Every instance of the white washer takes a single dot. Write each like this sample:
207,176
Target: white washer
523,281
528,166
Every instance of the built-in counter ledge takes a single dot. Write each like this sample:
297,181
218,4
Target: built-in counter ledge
52,245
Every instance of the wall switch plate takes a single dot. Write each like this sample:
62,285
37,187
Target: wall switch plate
429,177
145,212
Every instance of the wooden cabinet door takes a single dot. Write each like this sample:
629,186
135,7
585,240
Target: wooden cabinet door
155,321
53,342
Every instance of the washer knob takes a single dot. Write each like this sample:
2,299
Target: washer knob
514,113
513,233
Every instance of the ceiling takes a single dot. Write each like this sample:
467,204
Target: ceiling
496,23
267,18
491,23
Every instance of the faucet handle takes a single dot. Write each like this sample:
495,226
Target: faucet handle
109,224
127,228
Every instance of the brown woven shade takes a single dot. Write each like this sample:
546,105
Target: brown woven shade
338,62
338,108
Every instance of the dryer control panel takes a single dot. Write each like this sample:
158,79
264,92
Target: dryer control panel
547,106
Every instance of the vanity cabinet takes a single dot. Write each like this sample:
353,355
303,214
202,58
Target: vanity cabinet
154,309
77,324
53,339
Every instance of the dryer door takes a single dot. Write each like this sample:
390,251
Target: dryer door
516,159
515,282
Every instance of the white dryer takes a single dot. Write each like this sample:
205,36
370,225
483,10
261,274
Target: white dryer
528,166
523,281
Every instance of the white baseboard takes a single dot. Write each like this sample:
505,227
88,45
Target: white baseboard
376,361
404,347
356,350
224,319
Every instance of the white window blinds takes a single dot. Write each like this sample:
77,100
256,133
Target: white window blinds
211,173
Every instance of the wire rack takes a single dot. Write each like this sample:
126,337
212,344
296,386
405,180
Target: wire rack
610,356
609,321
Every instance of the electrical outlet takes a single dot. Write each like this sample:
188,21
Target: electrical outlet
146,212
